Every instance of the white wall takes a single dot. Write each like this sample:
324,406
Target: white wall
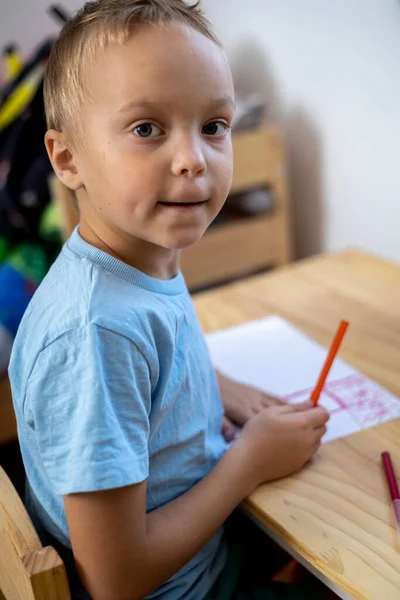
331,72
27,22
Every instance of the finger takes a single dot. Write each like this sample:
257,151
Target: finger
284,409
319,432
241,414
268,400
316,447
318,416
228,429
299,407
226,424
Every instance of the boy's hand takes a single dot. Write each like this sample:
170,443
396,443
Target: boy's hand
123,551
241,402
279,440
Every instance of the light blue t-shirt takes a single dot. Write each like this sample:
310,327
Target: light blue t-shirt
112,384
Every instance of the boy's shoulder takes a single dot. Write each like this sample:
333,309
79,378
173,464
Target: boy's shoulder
78,292
78,296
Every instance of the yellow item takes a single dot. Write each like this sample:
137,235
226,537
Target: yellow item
12,64
20,98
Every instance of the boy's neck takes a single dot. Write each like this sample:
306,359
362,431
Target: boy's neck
148,258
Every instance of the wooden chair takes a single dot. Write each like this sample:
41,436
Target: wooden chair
27,570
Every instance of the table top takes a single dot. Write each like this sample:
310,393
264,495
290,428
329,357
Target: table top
335,515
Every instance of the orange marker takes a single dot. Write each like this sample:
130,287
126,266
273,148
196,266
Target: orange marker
333,350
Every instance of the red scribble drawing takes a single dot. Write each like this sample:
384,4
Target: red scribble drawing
364,400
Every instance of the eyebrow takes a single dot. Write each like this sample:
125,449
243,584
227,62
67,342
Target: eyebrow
227,102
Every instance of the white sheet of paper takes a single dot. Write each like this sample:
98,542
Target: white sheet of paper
274,356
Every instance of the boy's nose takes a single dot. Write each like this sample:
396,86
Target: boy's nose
189,159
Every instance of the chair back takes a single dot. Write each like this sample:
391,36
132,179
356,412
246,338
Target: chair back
27,570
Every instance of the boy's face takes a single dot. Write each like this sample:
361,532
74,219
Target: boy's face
156,158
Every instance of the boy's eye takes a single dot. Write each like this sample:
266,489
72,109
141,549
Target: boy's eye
146,130
215,128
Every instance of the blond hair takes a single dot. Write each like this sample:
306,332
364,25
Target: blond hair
97,25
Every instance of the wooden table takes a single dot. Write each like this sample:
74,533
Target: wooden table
335,515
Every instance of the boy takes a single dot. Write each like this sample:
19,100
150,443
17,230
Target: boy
117,403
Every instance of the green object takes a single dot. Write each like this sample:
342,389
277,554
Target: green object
4,249
50,226
50,221
30,260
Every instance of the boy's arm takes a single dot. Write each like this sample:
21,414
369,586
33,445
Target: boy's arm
124,554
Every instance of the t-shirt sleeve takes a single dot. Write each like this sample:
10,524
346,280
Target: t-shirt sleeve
88,402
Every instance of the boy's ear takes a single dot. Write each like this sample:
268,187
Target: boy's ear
62,159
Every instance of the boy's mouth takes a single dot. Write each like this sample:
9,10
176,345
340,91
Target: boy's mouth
183,205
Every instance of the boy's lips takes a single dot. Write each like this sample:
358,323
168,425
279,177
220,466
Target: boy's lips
183,205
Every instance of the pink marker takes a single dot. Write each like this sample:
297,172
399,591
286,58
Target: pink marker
393,487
